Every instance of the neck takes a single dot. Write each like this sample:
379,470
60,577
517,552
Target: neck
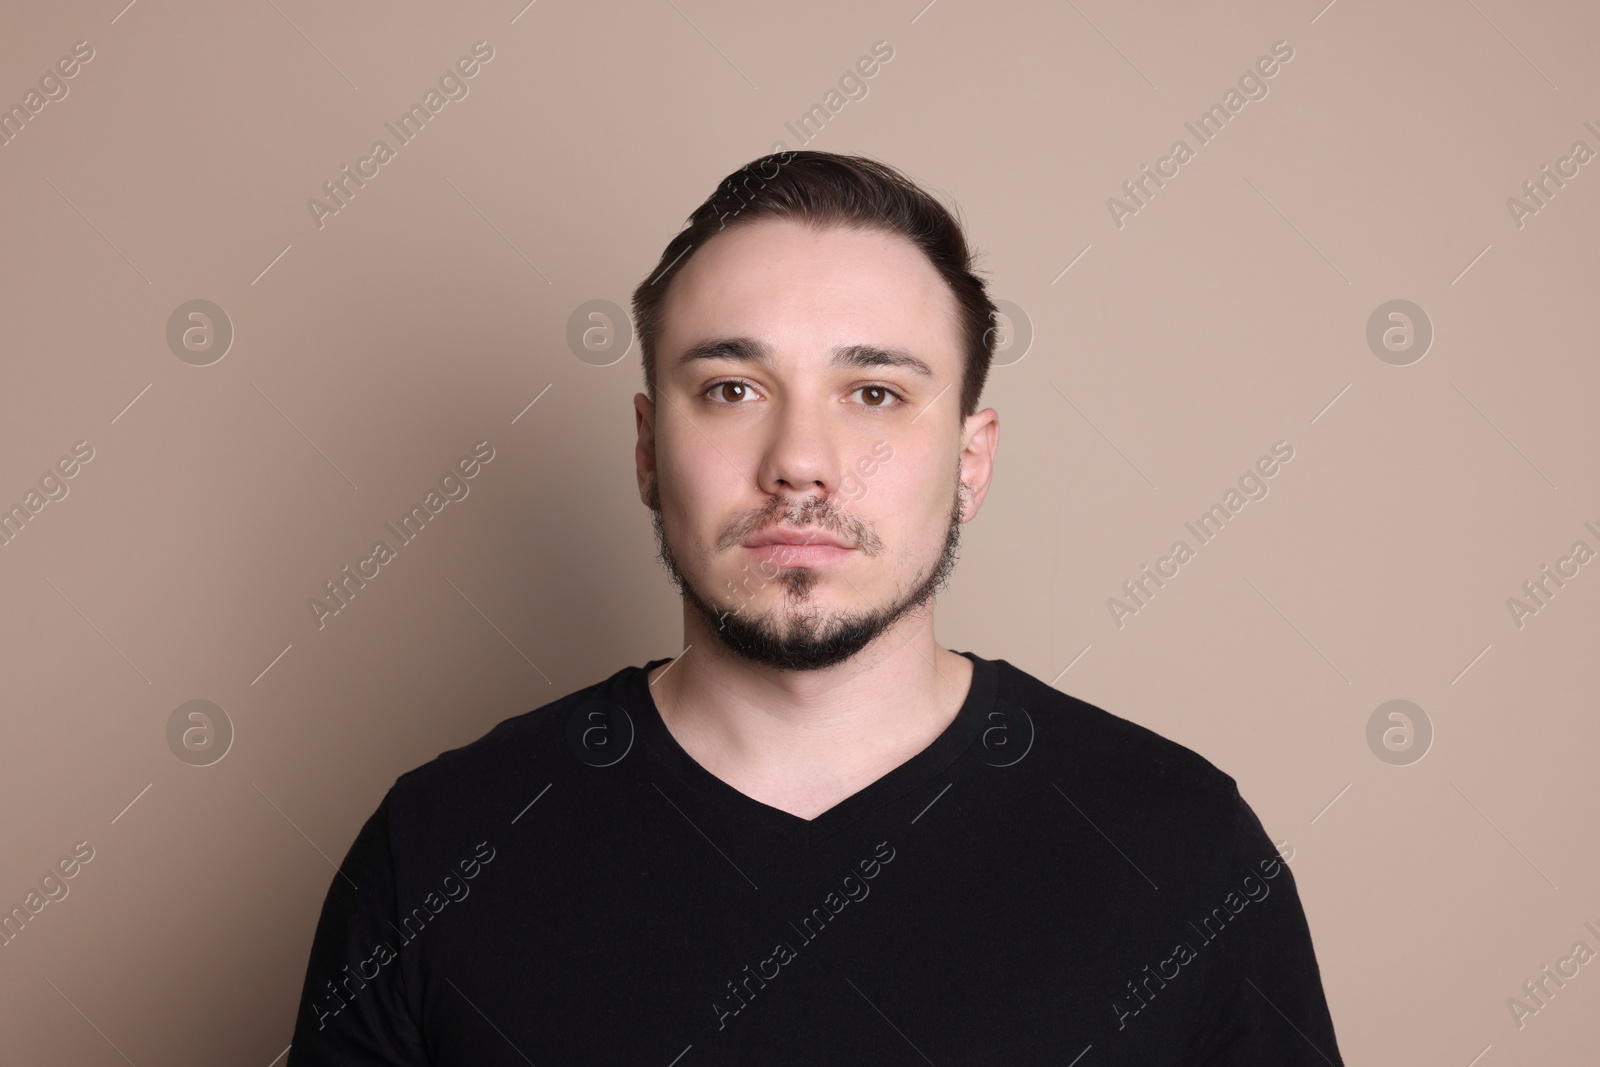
791,732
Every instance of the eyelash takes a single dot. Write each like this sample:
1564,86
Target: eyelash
900,400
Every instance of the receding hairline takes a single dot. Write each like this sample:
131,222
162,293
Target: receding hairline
816,225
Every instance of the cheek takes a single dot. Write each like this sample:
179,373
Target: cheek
908,501
697,487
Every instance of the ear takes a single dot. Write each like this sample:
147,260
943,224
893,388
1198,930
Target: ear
644,452
981,437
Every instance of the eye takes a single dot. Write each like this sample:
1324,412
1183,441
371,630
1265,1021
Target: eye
731,392
879,396
739,390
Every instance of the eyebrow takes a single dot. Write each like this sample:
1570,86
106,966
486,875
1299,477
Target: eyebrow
750,350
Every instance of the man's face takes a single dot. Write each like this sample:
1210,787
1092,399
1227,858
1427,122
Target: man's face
808,390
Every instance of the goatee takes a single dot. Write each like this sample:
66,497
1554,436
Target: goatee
798,636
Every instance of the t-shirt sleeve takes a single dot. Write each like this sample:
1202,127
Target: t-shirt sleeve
1263,1001
353,1004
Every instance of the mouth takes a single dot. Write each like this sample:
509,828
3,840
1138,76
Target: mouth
810,538
799,548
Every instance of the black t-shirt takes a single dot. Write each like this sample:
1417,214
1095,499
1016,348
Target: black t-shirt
1045,883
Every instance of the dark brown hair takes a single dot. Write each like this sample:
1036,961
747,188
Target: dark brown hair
825,189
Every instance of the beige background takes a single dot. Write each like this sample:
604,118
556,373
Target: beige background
1229,313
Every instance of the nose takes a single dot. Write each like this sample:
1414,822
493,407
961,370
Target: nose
800,463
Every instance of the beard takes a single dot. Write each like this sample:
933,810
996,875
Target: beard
799,636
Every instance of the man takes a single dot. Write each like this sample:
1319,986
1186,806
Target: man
815,835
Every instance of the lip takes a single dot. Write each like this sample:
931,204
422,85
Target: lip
785,554
814,538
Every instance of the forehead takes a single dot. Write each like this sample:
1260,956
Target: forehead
800,288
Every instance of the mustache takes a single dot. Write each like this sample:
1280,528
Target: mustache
811,513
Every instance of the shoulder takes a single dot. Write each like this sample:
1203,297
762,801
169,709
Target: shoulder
1116,771
501,764
1092,740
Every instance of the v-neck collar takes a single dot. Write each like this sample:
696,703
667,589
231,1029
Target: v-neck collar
939,754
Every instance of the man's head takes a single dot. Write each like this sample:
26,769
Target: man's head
814,343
